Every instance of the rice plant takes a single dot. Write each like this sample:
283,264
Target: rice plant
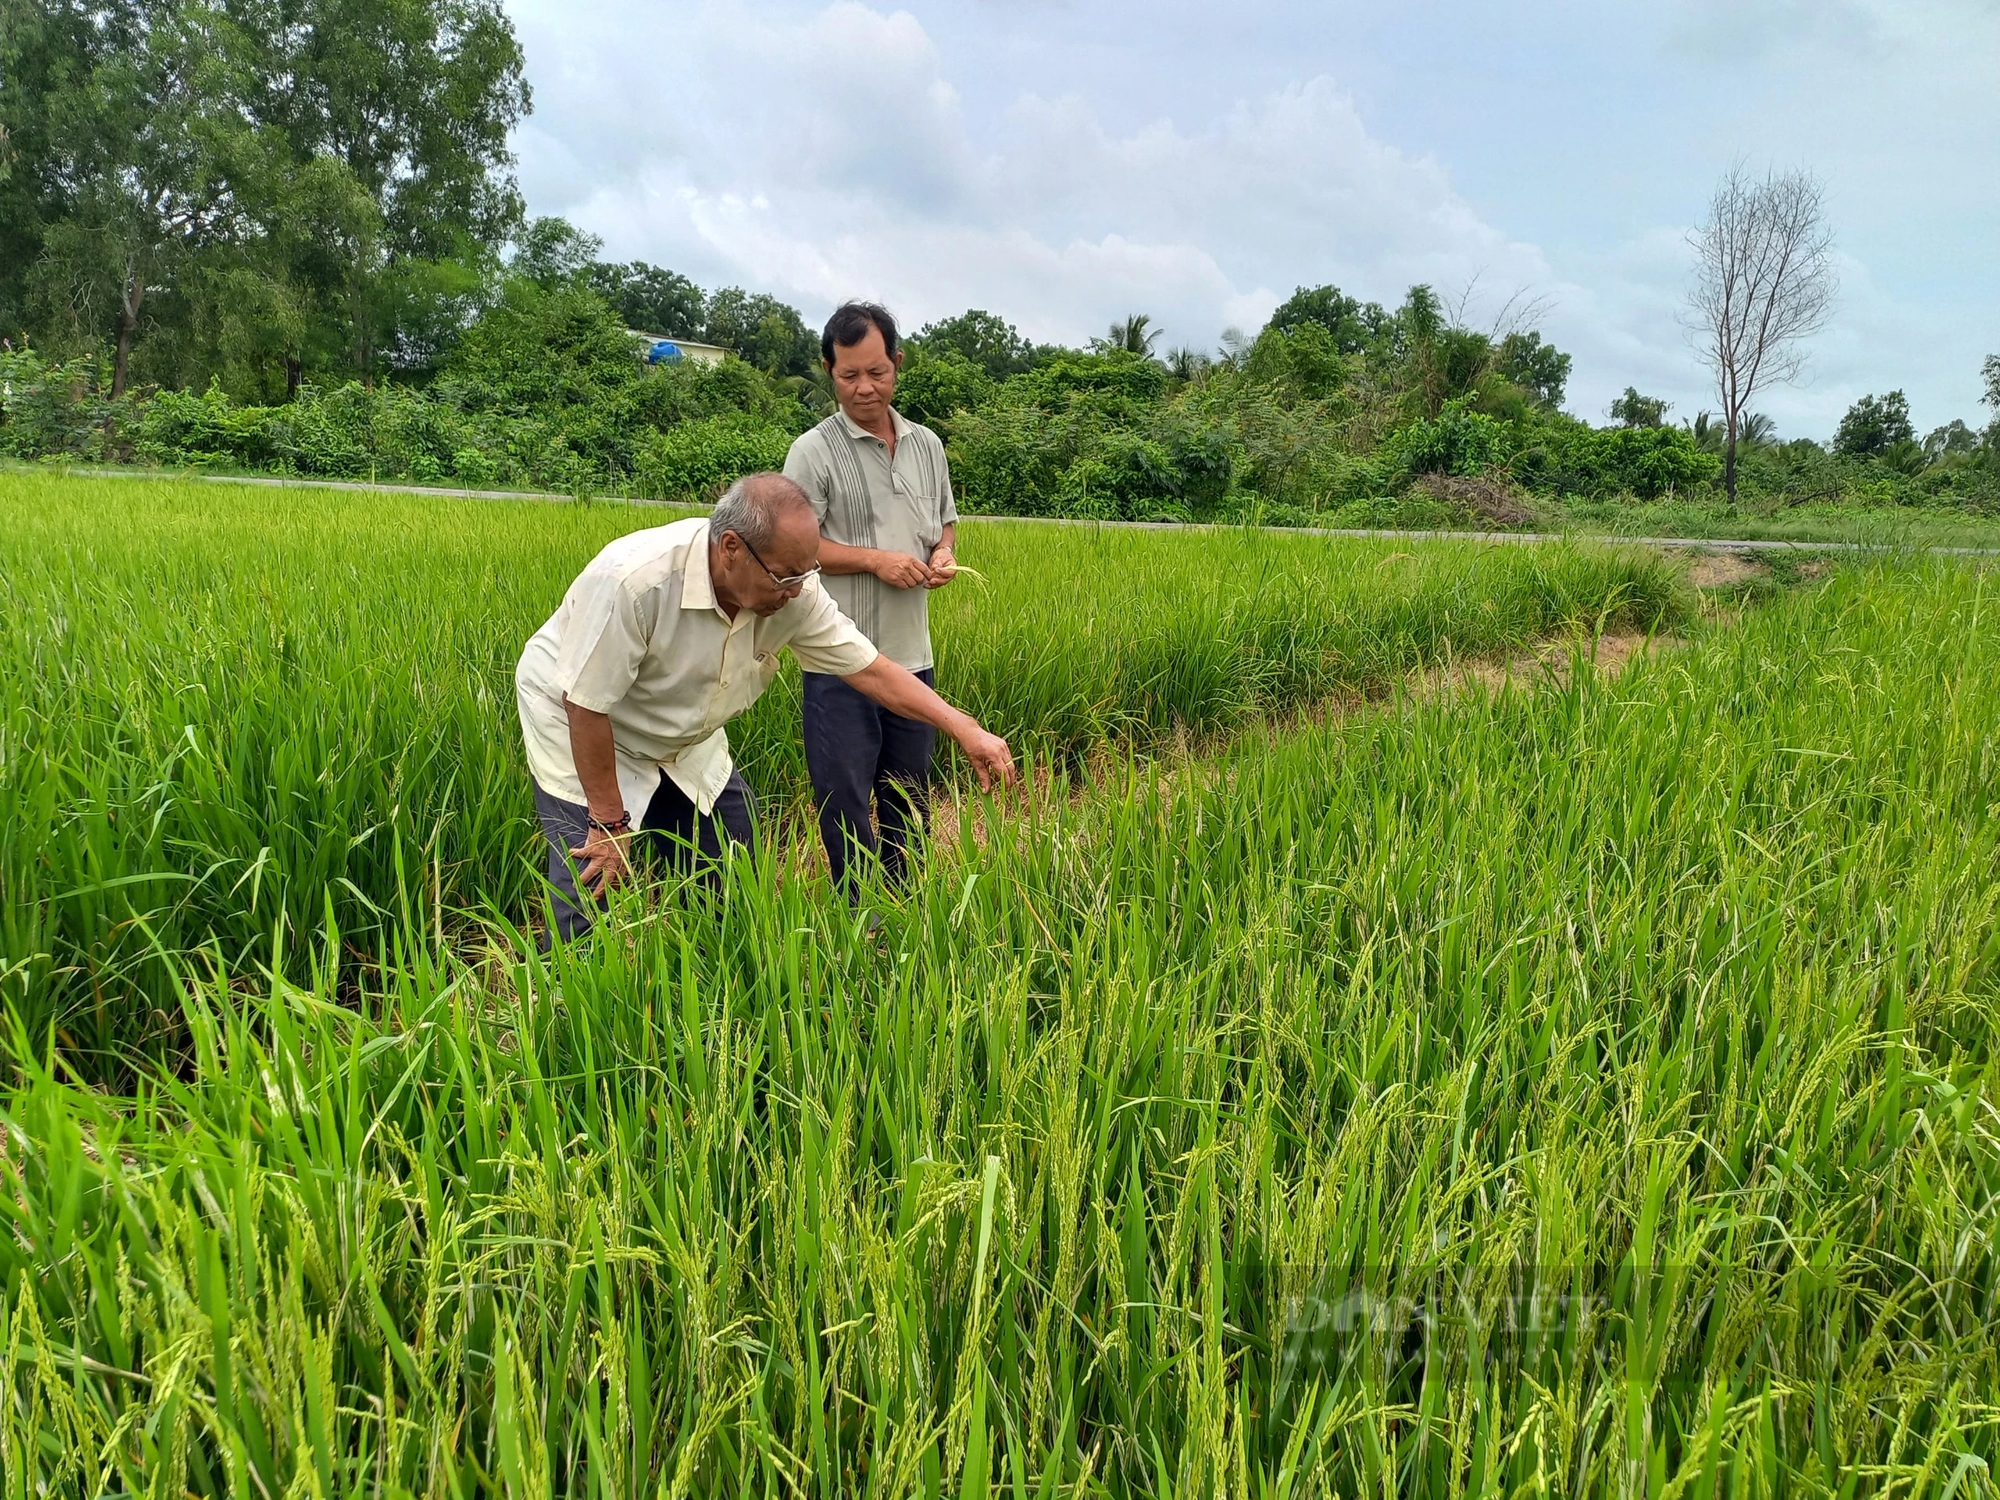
233,719
1585,1089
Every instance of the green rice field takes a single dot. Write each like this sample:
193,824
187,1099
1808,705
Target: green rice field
235,722
1584,1088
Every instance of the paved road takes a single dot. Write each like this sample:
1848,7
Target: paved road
1710,544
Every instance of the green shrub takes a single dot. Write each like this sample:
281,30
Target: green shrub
1011,457
1126,477
697,459
539,350
1563,456
475,467
180,427
688,391
1304,362
1203,456
934,386
61,410
1458,440
1334,480
1127,377
1008,459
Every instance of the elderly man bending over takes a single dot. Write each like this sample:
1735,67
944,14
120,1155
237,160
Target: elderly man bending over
667,636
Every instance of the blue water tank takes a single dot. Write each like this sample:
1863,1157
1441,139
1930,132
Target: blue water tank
664,352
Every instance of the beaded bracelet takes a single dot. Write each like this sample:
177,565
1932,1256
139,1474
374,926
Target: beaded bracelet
623,824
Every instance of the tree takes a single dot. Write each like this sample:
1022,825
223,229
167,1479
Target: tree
1355,326
1302,364
651,298
551,251
768,333
1133,335
1188,364
430,304
1755,431
1764,283
139,151
1991,370
1635,410
1438,359
983,338
43,50
542,349
416,97
1542,370
242,182
1950,441
934,385
414,101
1873,425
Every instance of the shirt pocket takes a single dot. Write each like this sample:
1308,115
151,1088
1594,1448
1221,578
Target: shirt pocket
925,508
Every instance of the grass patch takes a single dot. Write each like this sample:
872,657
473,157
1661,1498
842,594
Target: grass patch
235,721
1885,526
1584,1090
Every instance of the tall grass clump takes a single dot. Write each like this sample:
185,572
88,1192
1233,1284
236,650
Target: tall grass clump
234,721
1586,1090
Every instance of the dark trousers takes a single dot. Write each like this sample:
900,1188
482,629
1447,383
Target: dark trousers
672,833
857,752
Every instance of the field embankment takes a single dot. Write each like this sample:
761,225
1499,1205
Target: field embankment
1583,1090
246,727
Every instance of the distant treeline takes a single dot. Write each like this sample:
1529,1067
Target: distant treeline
292,241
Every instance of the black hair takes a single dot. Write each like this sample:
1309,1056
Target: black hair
850,323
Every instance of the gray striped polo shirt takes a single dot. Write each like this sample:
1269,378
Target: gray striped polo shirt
864,498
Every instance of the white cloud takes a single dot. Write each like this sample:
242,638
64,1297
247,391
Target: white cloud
828,155
825,150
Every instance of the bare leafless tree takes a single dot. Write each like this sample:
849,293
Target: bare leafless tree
1763,284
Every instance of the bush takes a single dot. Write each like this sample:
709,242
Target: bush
1303,363
540,350
61,410
1129,378
689,391
1458,440
1559,456
699,459
1089,460
1126,477
476,468
934,386
182,428
1009,459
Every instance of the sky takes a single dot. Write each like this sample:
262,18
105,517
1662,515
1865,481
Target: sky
1066,163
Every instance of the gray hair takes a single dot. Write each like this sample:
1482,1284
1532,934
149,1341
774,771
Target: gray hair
752,506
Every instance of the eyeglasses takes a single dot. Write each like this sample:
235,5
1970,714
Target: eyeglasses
796,581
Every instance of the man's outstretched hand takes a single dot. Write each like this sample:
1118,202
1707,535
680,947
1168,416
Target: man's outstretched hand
991,759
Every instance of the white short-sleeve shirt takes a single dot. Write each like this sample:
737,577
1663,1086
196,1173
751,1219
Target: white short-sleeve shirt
640,637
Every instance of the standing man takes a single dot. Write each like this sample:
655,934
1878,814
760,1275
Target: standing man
881,489
666,636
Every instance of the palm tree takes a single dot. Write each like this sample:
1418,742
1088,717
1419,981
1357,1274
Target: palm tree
1133,335
1756,431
